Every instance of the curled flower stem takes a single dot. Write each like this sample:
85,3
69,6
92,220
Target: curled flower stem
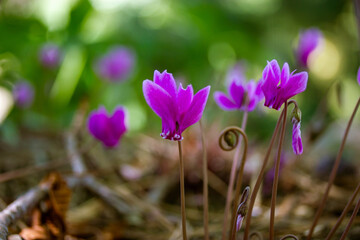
276,176
333,173
289,236
256,234
259,179
205,186
343,214
232,178
356,210
239,209
182,192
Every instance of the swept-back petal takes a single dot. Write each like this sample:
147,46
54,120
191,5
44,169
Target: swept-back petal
270,82
358,76
236,92
295,85
224,102
101,127
196,109
118,122
274,69
285,73
166,81
184,98
251,96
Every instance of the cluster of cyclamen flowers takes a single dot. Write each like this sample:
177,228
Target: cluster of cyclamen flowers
179,108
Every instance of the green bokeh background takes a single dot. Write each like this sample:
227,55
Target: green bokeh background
196,40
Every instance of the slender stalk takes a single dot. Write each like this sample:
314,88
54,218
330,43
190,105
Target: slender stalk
182,192
276,176
343,214
333,173
259,179
356,210
232,178
205,185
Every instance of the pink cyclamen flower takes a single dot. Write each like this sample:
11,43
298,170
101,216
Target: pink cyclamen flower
242,96
296,138
23,93
50,55
309,40
358,76
105,128
116,65
278,86
178,108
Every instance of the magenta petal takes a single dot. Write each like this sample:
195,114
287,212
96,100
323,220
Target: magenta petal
358,76
236,92
196,109
166,81
296,84
274,69
285,73
101,127
184,98
118,122
224,102
251,96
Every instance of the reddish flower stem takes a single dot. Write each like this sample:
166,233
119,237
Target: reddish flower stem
205,186
343,214
276,176
356,210
229,195
259,179
333,173
238,186
182,192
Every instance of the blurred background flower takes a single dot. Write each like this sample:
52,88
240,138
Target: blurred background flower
50,55
310,40
23,93
116,65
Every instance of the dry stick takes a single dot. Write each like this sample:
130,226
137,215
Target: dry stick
182,192
356,210
90,182
21,206
343,214
259,179
333,173
205,185
229,196
276,176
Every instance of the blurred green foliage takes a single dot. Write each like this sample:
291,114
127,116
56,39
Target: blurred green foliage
196,40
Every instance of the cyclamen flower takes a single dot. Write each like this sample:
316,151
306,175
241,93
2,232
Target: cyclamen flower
105,128
23,93
242,96
116,65
278,86
177,107
309,40
358,76
50,55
